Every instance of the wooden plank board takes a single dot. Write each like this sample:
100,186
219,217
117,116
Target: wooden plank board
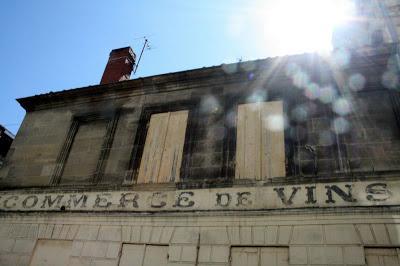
153,149
173,147
273,140
252,146
260,145
240,142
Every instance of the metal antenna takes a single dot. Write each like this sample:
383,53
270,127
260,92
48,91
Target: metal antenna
145,45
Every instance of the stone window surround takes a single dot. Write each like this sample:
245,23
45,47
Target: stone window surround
111,117
141,132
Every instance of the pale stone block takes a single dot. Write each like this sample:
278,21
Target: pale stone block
354,255
341,234
284,234
42,231
64,232
145,234
298,255
317,255
24,245
6,245
166,235
76,248
330,255
156,234
52,252
307,234
87,232
205,254
94,249
380,234
97,262
49,231
214,235
24,260
180,264
136,231
110,233
334,255
185,235
212,264
5,230
394,233
57,231
272,234
259,235
24,231
234,235
73,261
131,252
174,253
113,250
365,233
245,235
8,259
220,253
126,233
73,229
189,253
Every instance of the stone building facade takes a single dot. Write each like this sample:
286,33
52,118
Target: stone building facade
284,161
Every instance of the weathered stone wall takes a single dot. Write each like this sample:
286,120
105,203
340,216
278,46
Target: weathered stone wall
311,239
330,128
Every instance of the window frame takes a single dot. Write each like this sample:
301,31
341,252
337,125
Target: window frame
141,133
111,117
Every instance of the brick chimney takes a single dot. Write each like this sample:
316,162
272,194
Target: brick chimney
119,66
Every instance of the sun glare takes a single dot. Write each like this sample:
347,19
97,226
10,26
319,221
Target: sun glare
296,26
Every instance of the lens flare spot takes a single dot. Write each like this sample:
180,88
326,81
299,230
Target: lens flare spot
301,79
341,106
230,68
356,82
327,94
341,58
210,105
340,125
312,91
390,79
275,122
258,96
300,113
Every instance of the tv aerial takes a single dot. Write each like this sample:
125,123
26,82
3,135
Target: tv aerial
146,46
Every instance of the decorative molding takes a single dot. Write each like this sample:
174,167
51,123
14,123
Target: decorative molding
112,121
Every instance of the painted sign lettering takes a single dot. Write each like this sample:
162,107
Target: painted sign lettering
345,194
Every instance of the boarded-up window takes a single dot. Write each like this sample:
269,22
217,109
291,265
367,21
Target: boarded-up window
260,147
83,157
162,154
51,252
144,255
259,256
382,256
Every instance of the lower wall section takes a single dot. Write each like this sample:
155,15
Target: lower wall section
110,239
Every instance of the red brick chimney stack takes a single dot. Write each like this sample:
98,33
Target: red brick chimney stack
119,66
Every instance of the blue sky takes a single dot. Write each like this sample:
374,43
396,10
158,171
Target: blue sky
49,45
